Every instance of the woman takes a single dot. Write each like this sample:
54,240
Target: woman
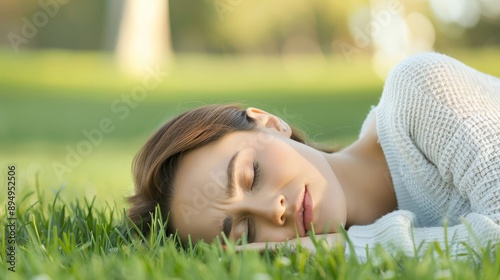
425,168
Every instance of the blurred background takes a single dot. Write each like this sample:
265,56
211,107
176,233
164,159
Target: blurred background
84,83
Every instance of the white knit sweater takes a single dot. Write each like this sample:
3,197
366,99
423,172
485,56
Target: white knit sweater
438,122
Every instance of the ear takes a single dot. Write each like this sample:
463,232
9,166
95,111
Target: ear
268,120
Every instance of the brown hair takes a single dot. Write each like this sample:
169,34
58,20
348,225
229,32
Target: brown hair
155,166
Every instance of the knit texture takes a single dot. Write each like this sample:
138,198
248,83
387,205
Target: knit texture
438,122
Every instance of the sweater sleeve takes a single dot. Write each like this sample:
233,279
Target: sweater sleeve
451,113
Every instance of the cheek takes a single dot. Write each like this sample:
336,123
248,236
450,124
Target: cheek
275,234
280,162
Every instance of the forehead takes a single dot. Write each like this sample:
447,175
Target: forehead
200,188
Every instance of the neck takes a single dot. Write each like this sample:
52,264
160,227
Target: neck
364,176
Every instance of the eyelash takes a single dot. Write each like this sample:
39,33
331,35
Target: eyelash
250,231
256,174
255,181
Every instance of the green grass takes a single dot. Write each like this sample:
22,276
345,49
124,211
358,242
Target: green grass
73,226
59,239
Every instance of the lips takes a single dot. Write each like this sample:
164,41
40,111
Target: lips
304,214
308,210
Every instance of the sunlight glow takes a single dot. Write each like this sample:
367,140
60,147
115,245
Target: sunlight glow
465,13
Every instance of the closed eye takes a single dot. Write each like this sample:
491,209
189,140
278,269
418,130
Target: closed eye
256,175
250,231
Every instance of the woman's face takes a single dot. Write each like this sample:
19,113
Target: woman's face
256,183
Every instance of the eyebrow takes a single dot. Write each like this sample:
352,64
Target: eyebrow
227,224
230,187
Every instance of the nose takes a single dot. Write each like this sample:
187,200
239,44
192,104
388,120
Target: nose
272,209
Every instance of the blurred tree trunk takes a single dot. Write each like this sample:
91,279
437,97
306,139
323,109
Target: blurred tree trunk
144,36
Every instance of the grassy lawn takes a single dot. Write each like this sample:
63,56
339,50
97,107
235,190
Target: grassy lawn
70,220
